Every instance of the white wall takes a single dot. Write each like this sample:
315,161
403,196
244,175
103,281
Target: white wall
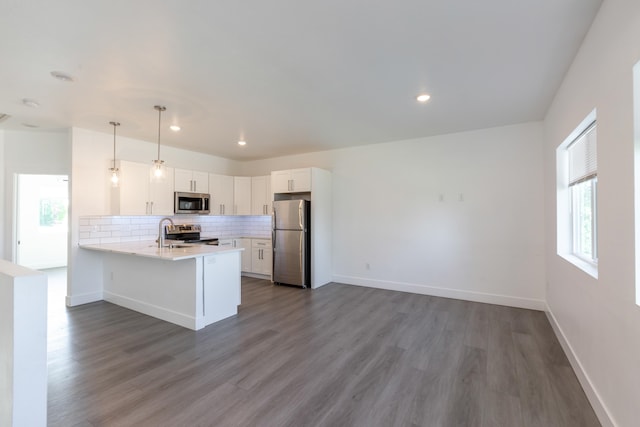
29,152
597,319
91,157
2,206
387,213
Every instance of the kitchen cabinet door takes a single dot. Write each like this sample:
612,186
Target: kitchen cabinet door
246,254
161,195
242,195
182,180
136,194
291,181
200,182
261,196
133,190
261,256
191,181
221,191
280,181
300,180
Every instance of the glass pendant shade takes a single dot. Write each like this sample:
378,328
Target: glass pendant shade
158,171
115,178
115,175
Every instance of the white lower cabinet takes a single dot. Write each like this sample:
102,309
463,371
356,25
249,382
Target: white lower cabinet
261,256
245,264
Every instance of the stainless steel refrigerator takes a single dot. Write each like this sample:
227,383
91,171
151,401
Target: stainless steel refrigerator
291,242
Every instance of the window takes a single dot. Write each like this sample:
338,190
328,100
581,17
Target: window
577,197
583,183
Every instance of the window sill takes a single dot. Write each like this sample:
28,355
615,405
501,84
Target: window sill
588,267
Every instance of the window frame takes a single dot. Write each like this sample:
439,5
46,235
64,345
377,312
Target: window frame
565,232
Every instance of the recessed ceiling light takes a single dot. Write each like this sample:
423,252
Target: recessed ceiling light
241,142
30,103
59,75
174,128
423,97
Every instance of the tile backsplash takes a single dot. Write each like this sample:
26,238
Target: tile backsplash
114,229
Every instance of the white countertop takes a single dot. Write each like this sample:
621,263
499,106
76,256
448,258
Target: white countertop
150,249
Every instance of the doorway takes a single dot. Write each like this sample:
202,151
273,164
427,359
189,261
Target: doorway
41,221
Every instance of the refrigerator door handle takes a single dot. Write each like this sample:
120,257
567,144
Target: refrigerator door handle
300,216
273,219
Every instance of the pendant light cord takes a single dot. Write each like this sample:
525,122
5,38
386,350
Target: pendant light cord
114,142
160,110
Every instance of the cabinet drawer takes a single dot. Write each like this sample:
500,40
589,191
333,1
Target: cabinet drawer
261,243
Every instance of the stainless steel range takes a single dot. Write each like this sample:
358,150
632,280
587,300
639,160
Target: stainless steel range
187,233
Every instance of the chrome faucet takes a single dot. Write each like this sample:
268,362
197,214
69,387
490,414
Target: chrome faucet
160,231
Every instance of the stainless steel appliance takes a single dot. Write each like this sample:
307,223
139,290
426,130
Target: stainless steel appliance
291,242
187,233
191,203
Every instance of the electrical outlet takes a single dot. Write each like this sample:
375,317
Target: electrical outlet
367,266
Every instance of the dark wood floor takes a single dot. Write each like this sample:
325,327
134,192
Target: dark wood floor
337,356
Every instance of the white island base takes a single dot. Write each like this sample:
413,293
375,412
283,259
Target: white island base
192,292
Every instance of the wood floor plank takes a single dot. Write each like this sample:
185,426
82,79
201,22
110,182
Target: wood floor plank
336,356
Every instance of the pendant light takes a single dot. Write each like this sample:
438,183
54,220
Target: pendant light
157,167
115,178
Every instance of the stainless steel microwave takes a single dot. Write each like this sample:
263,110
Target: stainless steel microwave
191,203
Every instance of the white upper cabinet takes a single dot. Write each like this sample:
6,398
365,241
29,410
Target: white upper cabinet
138,195
191,181
291,181
221,191
242,195
261,195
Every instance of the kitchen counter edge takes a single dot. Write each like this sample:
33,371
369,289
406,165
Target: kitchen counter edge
149,249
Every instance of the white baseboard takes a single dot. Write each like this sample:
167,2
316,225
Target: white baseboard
73,300
599,407
256,275
155,311
529,303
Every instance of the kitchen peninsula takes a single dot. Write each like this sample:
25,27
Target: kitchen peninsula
190,285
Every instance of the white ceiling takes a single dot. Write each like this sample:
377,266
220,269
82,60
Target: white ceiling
289,76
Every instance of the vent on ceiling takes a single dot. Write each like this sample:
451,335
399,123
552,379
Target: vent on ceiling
4,117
